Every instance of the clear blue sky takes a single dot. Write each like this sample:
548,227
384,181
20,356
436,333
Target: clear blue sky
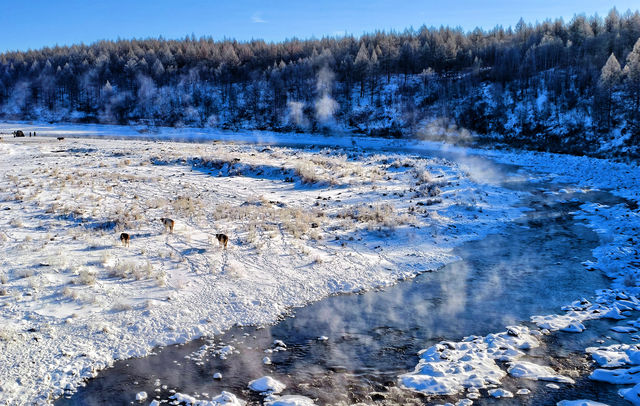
32,24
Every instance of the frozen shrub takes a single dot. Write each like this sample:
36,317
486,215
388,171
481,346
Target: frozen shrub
161,278
422,176
375,216
306,171
157,203
7,334
35,283
25,273
105,258
123,269
186,204
70,293
142,271
402,163
428,190
179,284
121,307
85,277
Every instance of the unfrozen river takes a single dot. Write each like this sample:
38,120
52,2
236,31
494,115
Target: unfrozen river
351,348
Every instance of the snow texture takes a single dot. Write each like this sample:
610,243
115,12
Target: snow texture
266,384
78,299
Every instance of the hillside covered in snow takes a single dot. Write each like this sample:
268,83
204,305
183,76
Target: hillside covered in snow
557,86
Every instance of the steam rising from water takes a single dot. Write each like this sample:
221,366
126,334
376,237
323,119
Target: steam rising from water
17,98
325,106
296,113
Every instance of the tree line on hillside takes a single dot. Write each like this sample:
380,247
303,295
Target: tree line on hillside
566,86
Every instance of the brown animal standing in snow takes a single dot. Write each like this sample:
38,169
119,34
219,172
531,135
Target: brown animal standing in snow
124,238
168,224
222,239
60,138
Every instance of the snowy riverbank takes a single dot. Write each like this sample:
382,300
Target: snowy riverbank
302,225
301,228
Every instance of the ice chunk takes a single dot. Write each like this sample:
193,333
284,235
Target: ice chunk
529,370
288,400
500,393
266,384
631,394
622,376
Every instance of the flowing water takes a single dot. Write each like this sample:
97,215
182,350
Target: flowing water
351,348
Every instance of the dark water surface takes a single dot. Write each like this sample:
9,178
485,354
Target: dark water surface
532,267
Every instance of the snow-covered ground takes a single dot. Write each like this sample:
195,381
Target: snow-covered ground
302,225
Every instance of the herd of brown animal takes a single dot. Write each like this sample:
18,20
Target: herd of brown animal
168,226
125,238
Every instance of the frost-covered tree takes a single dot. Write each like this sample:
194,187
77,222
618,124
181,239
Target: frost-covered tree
610,76
553,69
632,82
361,65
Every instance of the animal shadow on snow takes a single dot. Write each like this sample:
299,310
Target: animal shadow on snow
190,251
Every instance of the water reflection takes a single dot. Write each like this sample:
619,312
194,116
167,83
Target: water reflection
351,347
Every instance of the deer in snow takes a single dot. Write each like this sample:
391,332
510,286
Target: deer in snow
125,238
223,240
168,224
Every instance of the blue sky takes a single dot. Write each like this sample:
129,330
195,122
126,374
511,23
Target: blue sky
36,23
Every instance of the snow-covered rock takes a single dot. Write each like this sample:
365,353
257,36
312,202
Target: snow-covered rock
631,394
500,393
581,402
529,370
223,399
288,400
449,367
266,384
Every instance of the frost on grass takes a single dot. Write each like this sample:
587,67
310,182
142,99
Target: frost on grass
295,218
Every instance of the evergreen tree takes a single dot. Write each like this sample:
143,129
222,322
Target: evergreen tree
632,82
361,65
610,76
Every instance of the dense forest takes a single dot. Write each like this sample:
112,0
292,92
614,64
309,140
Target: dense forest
560,86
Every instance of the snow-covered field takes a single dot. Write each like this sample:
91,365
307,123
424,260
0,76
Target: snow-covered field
302,225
